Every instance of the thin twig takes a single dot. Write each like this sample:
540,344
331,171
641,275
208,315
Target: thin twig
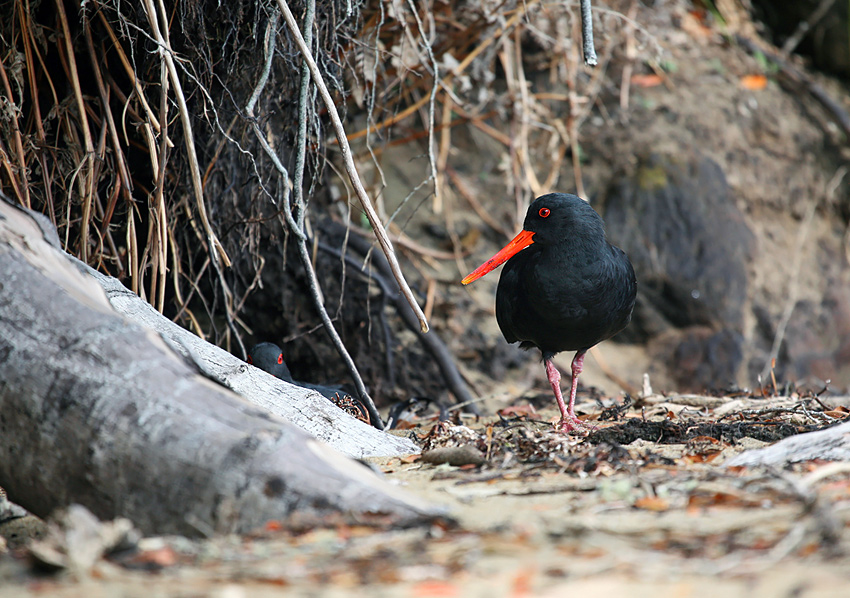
19,147
443,157
88,159
215,246
465,192
301,209
6,161
158,214
628,67
805,26
573,116
587,34
351,169
525,117
432,96
124,183
116,45
793,286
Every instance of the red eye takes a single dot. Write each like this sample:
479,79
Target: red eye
544,212
280,358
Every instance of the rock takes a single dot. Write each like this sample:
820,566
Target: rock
817,340
76,540
703,358
17,525
690,246
454,455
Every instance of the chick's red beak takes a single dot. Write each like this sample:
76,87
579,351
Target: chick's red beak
520,242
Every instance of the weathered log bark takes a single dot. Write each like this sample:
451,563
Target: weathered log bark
98,410
305,408
832,444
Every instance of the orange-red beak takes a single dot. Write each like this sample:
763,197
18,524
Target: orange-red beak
520,242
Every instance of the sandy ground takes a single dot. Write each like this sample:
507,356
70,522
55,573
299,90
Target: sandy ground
646,519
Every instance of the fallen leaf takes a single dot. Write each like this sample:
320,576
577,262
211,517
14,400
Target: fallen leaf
838,413
652,503
427,589
695,23
704,440
700,457
650,80
527,409
273,526
160,557
754,82
522,582
713,499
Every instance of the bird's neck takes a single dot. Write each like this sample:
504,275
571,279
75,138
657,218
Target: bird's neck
579,248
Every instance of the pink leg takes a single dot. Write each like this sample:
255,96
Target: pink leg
569,422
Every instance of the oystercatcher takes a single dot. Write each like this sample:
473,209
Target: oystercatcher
563,288
269,357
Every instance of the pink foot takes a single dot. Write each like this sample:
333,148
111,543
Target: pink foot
573,424
569,422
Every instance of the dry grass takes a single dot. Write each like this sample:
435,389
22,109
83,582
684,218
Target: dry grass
128,125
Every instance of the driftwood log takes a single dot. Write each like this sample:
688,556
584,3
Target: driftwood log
832,444
303,407
100,410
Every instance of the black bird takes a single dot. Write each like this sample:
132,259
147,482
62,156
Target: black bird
269,357
564,287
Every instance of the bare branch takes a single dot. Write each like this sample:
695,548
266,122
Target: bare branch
351,169
587,34
301,211
215,247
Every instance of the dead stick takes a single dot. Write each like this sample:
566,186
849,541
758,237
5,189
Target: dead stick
587,34
298,223
19,146
351,169
215,246
88,172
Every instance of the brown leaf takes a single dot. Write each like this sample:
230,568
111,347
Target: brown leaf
648,80
161,557
838,413
754,82
652,503
273,526
694,22
701,457
429,589
527,409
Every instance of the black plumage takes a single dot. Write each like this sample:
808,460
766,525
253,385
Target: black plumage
563,288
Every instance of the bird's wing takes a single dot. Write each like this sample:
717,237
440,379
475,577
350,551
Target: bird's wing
506,301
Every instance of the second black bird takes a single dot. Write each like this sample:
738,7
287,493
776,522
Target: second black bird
269,357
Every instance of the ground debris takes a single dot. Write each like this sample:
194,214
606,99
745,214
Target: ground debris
540,508
679,432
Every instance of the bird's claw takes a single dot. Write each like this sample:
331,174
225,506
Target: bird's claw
573,425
